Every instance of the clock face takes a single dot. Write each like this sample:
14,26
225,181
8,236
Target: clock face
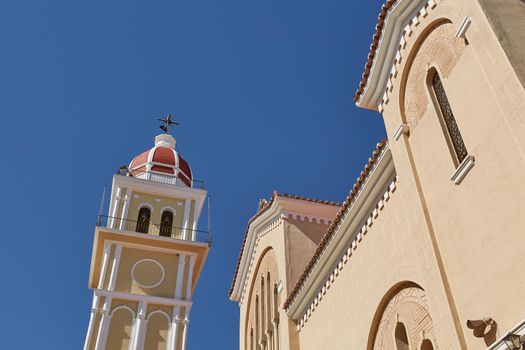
147,273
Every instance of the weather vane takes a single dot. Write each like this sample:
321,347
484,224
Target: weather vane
167,122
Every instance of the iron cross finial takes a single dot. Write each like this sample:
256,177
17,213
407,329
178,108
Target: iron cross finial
167,122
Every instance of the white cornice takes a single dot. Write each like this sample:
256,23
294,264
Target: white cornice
355,217
160,189
282,207
396,20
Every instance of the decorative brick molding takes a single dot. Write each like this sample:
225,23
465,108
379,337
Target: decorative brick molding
359,236
407,306
405,37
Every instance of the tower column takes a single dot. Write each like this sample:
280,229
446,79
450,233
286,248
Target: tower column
114,268
125,209
113,214
103,269
139,330
104,325
180,276
94,310
185,324
190,277
174,329
186,222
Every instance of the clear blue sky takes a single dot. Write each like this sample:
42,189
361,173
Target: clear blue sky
263,90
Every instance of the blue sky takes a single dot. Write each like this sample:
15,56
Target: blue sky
263,91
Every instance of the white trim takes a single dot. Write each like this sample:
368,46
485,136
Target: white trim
146,298
103,269
125,208
463,27
114,268
185,223
397,22
280,206
180,275
173,211
150,248
463,170
114,208
145,204
163,273
402,129
141,327
173,331
189,282
123,307
381,178
104,325
162,312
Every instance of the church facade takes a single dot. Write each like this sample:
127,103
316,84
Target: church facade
425,252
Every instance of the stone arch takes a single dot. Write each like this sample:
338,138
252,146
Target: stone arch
436,47
265,270
404,304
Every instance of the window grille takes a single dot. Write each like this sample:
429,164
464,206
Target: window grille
449,120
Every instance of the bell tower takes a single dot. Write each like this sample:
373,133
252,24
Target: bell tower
147,254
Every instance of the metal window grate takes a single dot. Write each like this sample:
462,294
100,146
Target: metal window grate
449,119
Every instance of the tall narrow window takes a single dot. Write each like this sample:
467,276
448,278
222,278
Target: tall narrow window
448,121
143,220
166,223
401,337
427,345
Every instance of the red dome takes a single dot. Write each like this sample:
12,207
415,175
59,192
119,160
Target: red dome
162,160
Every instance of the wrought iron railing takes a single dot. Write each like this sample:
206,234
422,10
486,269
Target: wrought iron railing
166,179
154,229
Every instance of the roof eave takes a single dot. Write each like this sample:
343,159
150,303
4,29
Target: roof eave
382,173
392,27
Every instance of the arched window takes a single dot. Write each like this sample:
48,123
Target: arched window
166,223
401,337
427,345
447,120
143,220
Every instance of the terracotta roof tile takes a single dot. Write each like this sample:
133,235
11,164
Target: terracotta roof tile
260,212
328,235
375,43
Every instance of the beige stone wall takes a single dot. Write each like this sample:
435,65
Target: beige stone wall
147,273
302,238
274,240
477,224
396,250
158,203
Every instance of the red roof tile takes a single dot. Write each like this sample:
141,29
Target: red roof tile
263,209
328,235
375,43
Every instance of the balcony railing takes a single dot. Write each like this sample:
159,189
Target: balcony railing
166,179
155,229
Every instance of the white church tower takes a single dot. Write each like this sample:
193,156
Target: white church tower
147,254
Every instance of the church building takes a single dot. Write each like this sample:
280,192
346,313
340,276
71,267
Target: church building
148,254
425,251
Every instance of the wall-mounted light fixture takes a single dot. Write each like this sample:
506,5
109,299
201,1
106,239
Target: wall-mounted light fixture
514,341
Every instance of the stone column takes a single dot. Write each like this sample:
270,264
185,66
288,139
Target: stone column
180,276
125,210
186,220
174,329
104,325
114,212
114,268
94,310
105,259
185,324
190,277
140,328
